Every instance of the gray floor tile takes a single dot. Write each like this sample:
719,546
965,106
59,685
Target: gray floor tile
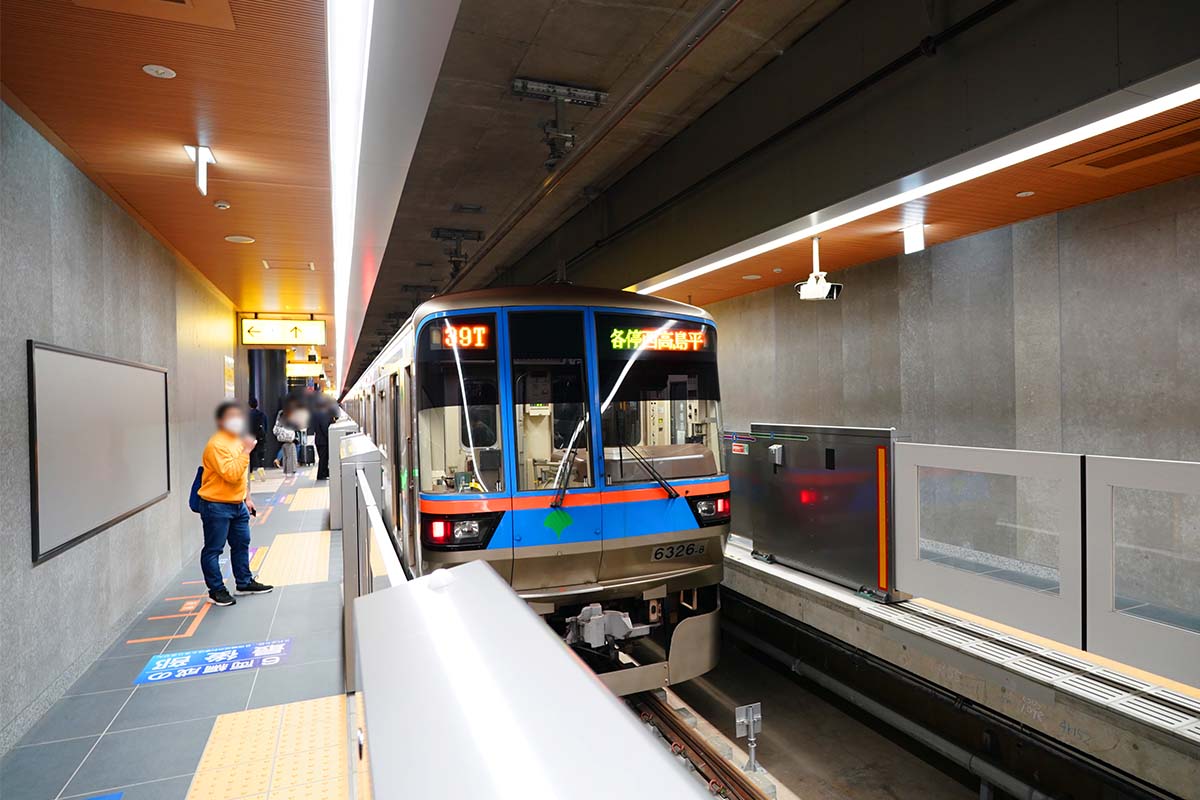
185,699
154,628
110,673
313,595
81,715
170,789
228,631
39,772
149,754
315,647
120,649
304,620
290,683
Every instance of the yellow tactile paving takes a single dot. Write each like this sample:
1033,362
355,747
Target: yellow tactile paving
235,780
311,766
335,789
259,555
296,751
311,498
297,558
362,769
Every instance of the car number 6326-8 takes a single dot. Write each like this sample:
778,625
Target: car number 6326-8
681,550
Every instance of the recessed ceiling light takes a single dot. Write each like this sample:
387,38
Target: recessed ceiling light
237,238
914,238
777,270
312,267
159,71
265,264
221,205
751,277
1025,194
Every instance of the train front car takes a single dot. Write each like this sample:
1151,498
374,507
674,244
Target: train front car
571,437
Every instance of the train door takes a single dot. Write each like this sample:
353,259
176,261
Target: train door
405,522
556,500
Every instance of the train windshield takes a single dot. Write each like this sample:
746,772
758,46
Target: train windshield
660,403
458,406
550,399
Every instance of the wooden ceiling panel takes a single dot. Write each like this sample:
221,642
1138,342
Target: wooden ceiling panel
254,91
969,208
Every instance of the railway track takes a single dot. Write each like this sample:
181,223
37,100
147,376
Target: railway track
724,779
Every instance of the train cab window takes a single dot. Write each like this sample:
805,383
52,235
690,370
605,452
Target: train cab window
660,403
458,406
553,434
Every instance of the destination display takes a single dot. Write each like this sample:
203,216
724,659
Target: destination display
674,339
464,337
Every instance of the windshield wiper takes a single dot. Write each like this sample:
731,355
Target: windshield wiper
563,477
654,473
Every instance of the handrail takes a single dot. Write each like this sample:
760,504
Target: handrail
394,564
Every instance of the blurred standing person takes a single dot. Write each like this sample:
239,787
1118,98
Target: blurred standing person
321,421
225,506
258,429
287,433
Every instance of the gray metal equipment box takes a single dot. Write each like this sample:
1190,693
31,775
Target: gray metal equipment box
818,499
338,430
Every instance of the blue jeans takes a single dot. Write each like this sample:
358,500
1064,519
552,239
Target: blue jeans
225,522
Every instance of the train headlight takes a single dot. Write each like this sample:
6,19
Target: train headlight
459,532
466,530
711,509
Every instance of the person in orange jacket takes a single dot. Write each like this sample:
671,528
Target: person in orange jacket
225,505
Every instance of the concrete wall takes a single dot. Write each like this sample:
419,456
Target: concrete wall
77,271
1076,332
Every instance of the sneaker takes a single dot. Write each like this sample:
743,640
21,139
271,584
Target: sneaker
254,587
221,597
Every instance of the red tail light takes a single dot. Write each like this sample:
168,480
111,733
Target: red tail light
808,497
722,506
459,531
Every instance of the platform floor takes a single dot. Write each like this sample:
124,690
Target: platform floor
212,736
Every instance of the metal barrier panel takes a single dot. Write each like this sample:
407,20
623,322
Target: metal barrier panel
993,532
469,694
1143,563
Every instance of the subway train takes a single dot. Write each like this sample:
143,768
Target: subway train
570,437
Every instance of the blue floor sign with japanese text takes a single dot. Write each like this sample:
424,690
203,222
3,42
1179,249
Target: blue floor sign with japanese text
213,661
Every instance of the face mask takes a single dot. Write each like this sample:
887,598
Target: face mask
235,425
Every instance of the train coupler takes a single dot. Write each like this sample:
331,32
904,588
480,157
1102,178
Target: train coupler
596,627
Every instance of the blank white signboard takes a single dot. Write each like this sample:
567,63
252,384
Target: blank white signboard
99,445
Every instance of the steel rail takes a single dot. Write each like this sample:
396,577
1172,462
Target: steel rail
724,779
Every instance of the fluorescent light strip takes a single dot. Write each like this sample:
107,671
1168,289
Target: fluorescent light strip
202,156
1109,123
914,238
348,42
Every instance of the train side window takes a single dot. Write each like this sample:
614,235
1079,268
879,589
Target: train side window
553,433
458,406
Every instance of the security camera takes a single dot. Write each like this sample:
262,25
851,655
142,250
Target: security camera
817,288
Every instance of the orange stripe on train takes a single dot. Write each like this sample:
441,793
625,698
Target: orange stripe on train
573,499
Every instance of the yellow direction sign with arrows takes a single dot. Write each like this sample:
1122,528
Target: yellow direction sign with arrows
283,331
